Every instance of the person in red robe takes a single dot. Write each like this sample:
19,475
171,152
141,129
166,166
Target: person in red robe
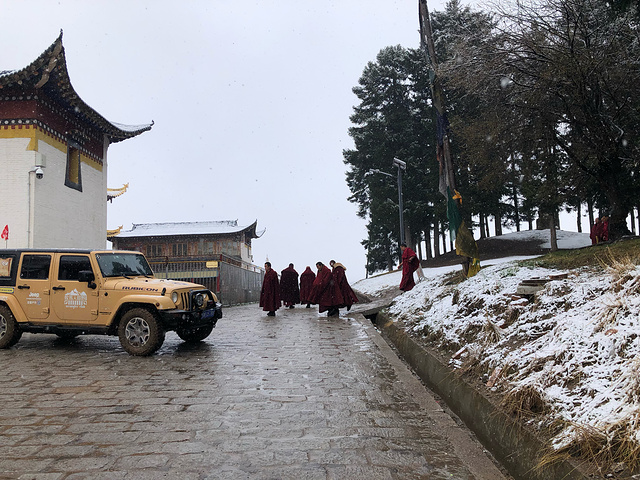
270,293
289,290
596,232
325,292
410,264
306,283
348,295
604,231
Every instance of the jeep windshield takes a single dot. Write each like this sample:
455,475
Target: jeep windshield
123,265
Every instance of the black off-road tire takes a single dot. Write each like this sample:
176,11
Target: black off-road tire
140,332
10,332
194,335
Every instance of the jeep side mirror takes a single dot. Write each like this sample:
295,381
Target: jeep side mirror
87,276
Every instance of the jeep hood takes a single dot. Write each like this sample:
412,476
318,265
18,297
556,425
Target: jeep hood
149,285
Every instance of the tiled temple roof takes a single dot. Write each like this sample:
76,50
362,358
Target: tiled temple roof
189,228
48,73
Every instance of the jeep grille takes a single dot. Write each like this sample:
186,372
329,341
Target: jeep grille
184,297
188,302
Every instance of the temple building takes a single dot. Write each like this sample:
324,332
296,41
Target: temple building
53,158
216,254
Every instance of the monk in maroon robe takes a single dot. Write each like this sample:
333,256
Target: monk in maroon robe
348,295
289,290
325,291
410,264
270,293
604,231
306,283
596,232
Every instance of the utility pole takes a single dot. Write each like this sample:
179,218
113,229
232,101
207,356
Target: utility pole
401,166
465,244
444,151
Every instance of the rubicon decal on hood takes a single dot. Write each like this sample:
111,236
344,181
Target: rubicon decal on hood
141,289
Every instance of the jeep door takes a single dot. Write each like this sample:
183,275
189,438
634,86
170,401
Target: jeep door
73,302
32,286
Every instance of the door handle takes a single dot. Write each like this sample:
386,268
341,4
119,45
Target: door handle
22,287
58,288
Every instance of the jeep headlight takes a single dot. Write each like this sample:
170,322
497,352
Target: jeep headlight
174,297
199,300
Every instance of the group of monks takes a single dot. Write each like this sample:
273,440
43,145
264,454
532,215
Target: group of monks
329,289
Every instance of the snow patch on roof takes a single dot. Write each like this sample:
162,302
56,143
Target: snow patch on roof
131,128
183,228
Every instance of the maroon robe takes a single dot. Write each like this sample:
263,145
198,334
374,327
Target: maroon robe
593,235
348,295
306,282
270,293
289,290
325,291
410,264
604,231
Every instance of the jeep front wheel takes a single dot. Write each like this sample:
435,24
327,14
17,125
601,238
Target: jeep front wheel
193,335
140,332
9,331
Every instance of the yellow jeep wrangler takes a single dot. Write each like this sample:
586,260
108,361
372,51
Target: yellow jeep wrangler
76,292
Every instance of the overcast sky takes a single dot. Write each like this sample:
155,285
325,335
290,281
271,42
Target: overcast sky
251,104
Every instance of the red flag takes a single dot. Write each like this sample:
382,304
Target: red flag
5,233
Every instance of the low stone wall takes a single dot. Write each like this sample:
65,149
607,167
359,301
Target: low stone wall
513,444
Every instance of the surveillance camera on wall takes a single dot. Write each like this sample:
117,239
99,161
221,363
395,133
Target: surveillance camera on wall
39,172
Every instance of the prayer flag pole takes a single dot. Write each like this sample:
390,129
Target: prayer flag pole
465,244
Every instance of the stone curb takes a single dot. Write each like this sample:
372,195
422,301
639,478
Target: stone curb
512,443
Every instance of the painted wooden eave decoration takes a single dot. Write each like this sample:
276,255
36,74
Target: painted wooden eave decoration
113,232
116,192
48,73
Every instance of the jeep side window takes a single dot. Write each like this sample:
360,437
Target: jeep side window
71,266
8,267
5,266
35,267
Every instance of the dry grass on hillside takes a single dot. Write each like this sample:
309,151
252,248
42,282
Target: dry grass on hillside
603,255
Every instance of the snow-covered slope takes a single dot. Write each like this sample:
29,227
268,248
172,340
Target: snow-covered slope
572,355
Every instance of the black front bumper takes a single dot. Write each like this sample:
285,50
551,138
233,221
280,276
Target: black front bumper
190,319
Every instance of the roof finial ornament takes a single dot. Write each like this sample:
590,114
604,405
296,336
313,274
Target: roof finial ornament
52,62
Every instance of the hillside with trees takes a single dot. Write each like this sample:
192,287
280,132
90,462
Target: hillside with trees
543,117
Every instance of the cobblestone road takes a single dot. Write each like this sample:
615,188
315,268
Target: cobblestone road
298,396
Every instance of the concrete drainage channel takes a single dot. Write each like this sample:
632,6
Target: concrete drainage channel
511,443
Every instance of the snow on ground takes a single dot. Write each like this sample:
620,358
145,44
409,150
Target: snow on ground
577,346
378,283
566,240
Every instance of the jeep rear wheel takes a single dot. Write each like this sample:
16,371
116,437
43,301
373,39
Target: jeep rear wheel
140,332
9,331
196,334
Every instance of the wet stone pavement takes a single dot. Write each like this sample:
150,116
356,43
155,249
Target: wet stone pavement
298,396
